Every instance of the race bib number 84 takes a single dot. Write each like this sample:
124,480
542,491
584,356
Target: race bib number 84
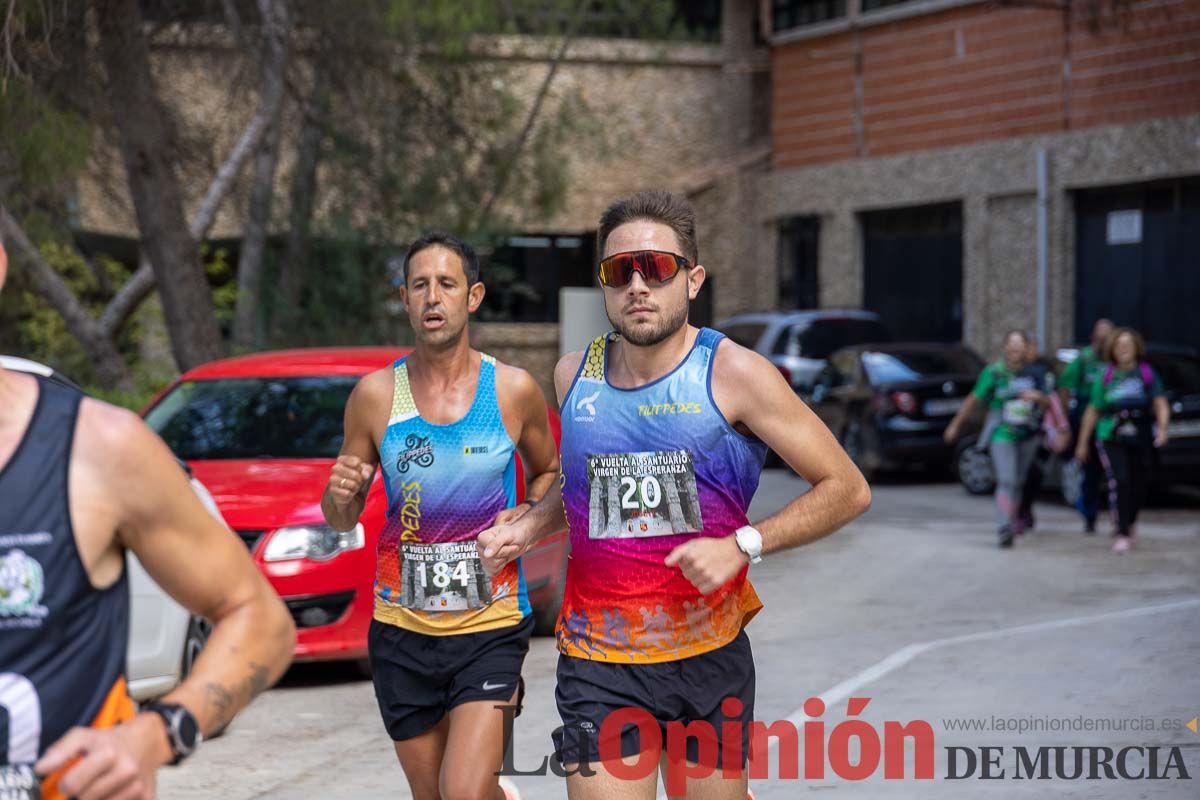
633,495
446,576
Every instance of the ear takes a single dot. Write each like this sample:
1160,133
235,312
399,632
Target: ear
696,276
475,297
404,295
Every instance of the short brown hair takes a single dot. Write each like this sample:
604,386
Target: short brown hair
1139,344
655,205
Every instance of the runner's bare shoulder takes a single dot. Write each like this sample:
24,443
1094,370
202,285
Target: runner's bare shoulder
112,442
373,391
515,382
564,372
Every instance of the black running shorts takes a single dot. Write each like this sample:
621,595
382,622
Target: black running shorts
674,691
419,678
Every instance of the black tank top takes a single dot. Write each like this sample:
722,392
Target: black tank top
62,642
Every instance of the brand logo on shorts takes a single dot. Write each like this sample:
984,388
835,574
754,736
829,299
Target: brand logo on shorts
587,405
489,686
419,451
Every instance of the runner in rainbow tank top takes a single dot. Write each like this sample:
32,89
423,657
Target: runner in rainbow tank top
444,424
665,428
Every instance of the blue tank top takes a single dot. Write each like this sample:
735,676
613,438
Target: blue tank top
445,484
645,470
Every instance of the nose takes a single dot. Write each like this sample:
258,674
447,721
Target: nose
637,285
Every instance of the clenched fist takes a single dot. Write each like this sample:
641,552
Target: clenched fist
347,479
708,562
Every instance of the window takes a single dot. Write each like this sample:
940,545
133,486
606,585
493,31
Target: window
797,258
254,417
746,334
824,336
914,365
523,275
787,14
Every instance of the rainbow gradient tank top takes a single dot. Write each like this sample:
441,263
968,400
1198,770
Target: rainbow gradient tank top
645,470
445,484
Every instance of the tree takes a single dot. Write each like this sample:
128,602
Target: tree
46,117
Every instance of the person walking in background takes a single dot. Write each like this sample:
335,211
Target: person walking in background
1119,412
1006,388
1053,437
1075,389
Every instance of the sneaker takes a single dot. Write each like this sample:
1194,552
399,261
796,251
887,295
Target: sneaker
1121,545
509,789
1027,522
1006,540
1089,526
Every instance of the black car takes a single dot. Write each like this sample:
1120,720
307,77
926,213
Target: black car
1176,464
889,404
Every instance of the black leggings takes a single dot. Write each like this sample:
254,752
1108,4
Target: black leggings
1126,466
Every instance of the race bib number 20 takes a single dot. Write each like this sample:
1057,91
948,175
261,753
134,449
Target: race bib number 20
446,576
634,495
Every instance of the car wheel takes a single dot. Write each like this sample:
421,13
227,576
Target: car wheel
545,615
193,644
975,471
859,445
199,629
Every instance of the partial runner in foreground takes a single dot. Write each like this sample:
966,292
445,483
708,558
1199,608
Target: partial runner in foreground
80,482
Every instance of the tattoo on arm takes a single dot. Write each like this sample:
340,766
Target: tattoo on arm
222,700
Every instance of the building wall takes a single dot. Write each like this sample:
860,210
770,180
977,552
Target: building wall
996,183
976,72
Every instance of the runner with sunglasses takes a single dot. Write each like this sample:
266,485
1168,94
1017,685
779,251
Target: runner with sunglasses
665,429
445,424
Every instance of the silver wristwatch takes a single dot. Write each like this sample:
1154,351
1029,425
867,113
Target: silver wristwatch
749,541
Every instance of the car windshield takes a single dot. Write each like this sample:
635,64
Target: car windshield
916,364
1180,373
253,417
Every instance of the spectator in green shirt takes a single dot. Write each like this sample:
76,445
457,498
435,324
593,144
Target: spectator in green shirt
1015,399
1125,401
1075,388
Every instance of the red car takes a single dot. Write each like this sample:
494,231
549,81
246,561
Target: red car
262,432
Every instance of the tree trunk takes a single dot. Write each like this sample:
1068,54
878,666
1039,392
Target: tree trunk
304,188
106,359
250,263
147,149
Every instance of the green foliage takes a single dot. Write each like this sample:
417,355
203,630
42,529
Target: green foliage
42,145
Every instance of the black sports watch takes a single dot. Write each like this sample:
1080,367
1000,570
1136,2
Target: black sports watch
183,732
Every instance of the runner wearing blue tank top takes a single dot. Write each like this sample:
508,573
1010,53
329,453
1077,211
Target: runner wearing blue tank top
444,425
665,428
81,482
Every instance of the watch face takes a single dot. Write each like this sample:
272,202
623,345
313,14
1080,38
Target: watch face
189,731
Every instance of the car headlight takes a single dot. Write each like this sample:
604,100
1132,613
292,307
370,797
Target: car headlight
316,542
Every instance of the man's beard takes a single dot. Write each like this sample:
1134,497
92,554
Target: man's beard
648,336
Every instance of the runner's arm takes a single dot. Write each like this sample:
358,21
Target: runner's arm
775,414
1086,428
203,566
523,398
1162,413
502,543
964,412
350,479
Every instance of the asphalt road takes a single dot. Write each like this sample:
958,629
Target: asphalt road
912,606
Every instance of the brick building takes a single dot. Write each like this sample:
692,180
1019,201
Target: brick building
906,142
